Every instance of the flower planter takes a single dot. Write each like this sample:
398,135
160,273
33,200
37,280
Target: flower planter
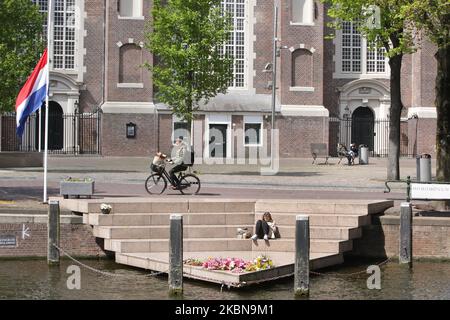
77,188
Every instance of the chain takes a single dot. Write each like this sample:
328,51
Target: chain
109,274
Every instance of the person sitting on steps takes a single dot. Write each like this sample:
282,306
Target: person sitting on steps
266,228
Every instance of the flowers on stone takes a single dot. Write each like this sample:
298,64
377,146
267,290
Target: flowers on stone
233,264
105,206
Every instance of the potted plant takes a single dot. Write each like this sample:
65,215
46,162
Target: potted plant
77,187
105,208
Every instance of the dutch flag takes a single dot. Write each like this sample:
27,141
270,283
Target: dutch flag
33,93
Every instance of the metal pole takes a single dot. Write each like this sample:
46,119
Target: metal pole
53,232
301,277
49,42
405,255
176,255
274,84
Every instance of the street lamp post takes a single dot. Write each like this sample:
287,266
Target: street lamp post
274,85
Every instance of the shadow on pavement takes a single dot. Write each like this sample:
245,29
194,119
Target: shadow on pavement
26,193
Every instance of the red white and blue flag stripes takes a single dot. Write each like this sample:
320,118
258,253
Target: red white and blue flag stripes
32,94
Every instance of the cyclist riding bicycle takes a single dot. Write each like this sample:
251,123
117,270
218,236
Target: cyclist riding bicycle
178,161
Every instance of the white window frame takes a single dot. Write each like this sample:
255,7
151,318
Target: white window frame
137,13
363,74
253,120
246,33
310,22
176,119
218,119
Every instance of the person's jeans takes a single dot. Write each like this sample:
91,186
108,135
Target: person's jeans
261,229
174,170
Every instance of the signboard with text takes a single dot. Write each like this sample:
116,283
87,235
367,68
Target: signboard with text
8,241
430,191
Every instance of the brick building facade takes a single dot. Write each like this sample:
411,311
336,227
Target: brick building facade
99,49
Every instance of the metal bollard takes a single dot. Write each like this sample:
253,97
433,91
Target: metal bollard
364,155
53,233
176,255
301,277
405,246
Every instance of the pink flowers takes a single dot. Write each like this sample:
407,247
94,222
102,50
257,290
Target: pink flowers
232,264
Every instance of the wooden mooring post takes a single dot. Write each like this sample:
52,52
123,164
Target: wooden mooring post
405,253
176,255
301,271
53,232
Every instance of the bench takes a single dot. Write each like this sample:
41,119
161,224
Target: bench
319,150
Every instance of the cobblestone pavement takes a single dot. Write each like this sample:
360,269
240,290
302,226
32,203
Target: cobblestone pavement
125,176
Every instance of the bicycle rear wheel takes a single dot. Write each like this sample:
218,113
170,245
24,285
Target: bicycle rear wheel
155,184
189,184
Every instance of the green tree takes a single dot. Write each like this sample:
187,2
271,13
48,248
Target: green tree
186,39
433,17
21,46
392,31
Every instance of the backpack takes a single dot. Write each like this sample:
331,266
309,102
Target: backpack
189,156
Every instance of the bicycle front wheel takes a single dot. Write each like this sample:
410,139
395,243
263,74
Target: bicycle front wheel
155,184
189,184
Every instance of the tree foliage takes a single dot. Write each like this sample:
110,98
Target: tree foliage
21,46
396,34
185,37
433,18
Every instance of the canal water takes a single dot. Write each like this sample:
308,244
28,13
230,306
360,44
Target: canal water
34,279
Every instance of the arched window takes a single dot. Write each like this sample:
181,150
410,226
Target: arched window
302,68
130,59
302,11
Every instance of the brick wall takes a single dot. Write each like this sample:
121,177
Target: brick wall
431,238
115,141
94,40
297,133
76,239
426,136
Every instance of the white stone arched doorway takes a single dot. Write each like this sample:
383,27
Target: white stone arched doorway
364,105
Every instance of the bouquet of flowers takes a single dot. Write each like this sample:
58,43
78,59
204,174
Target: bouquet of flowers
232,264
193,262
106,208
260,263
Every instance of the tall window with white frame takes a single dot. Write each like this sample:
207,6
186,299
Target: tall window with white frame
359,56
235,46
63,32
351,48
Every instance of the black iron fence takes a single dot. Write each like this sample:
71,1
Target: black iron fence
76,133
372,133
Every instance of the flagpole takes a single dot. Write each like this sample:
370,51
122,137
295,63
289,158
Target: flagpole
49,33
40,127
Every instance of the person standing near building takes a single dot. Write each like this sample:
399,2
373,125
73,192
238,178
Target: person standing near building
178,161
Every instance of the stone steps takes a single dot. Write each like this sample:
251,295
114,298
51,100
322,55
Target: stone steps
154,219
238,218
225,244
216,231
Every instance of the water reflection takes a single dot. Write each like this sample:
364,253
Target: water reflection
33,279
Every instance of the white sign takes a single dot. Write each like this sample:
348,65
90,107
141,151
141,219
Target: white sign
430,191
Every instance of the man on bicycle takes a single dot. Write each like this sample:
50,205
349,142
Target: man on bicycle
178,161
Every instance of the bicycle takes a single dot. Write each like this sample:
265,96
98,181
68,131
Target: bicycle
156,183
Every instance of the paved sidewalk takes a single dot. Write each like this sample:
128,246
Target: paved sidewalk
125,176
